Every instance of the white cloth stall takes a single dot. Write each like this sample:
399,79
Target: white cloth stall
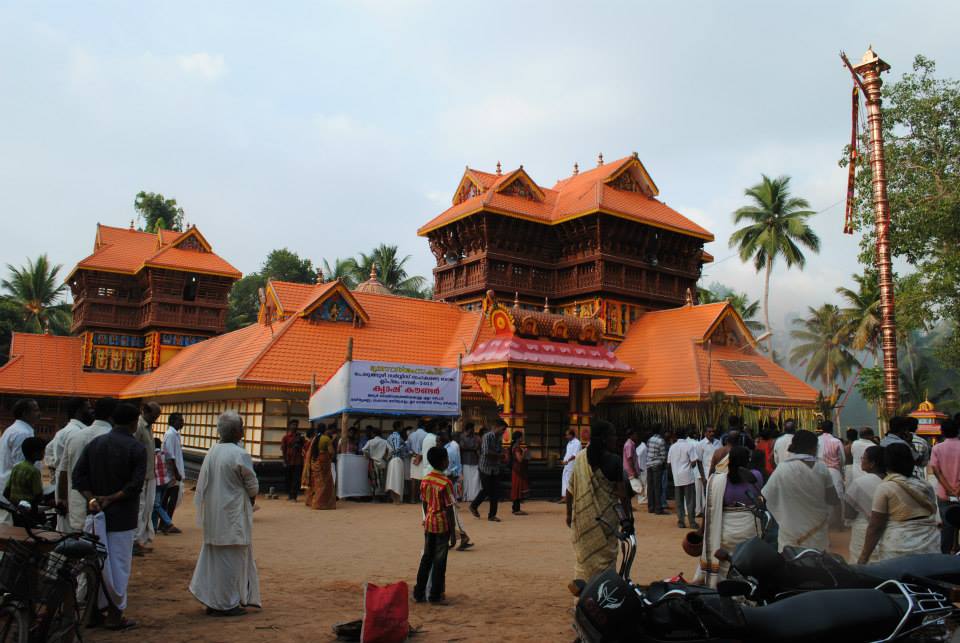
383,389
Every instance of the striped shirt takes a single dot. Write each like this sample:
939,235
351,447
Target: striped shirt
437,493
491,454
656,451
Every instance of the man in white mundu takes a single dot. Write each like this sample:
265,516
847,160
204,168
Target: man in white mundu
573,448
225,578
800,494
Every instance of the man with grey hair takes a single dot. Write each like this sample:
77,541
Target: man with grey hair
225,578
145,533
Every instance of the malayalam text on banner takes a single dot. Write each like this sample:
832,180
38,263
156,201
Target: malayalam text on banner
404,388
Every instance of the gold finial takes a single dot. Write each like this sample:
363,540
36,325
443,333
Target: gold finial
546,304
576,168
635,155
373,271
320,278
599,159
689,297
516,299
131,224
499,171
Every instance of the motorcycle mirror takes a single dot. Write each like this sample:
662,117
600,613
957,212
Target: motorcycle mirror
730,587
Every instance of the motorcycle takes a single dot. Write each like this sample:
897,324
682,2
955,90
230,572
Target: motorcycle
774,575
612,608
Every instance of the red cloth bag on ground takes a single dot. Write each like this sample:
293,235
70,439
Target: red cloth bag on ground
386,613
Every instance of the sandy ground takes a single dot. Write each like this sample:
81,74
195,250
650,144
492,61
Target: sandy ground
312,564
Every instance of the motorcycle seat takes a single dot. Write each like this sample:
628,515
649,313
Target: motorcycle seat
936,566
827,615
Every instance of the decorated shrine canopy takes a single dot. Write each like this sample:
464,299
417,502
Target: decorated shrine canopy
388,388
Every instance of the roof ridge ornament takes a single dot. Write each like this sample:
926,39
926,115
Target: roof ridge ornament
689,297
576,168
600,159
131,224
499,170
516,299
546,304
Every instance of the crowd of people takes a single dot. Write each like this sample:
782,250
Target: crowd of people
111,477
891,494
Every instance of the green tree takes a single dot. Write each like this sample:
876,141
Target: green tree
391,271
919,386
36,292
243,304
158,212
776,227
10,320
823,347
921,120
342,269
741,302
862,312
285,265
282,264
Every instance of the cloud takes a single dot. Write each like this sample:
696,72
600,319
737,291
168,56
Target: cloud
202,65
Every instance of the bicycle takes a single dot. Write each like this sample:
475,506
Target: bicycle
50,586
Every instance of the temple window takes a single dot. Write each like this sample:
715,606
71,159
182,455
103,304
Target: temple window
190,288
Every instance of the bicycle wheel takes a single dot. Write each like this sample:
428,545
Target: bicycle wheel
14,625
87,594
62,624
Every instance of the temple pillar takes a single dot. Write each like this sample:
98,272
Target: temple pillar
514,402
578,398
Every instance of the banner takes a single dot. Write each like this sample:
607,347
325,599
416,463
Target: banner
385,387
364,387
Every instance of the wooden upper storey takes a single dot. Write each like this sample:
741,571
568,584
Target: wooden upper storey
138,281
596,233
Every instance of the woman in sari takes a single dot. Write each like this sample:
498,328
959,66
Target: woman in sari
317,474
903,514
519,483
858,500
732,491
596,488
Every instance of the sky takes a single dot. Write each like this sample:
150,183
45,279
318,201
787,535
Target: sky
330,127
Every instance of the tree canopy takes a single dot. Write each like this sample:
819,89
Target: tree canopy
158,212
741,302
776,227
921,120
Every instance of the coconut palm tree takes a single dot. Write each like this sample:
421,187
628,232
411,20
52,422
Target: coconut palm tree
342,269
920,386
823,347
740,301
776,227
36,291
390,270
862,313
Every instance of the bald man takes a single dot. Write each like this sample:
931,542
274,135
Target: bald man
145,533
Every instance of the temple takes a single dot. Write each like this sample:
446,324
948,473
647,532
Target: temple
560,303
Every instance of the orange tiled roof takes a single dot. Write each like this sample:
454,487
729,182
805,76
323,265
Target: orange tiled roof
578,195
290,353
293,296
51,365
127,251
668,350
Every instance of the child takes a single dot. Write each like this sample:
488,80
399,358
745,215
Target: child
25,482
439,528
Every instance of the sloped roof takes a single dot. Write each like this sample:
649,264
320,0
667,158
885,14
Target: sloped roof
289,353
669,353
292,296
128,251
51,365
578,195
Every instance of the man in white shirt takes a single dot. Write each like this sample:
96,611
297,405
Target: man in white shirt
26,414
418,463
781,448
682,458
378,451
81,415
705,450
225,579
148,415
857,449
72,448
573,448
171,451
641,454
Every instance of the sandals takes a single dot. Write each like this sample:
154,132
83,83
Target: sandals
123,624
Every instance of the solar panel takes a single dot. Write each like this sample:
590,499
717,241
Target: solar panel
740,368
766,388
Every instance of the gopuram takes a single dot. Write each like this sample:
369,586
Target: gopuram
562,303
